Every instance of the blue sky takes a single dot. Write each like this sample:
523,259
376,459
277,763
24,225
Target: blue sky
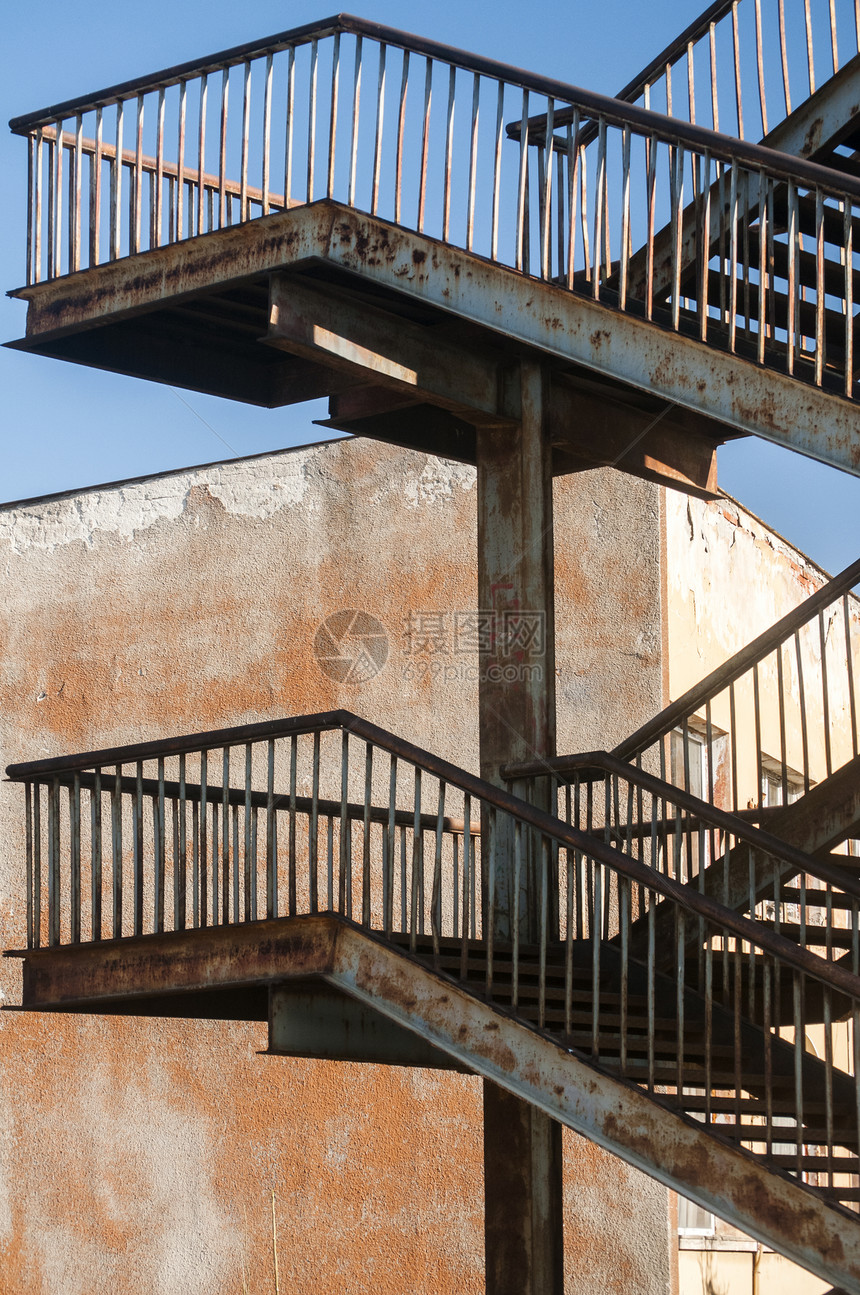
64,427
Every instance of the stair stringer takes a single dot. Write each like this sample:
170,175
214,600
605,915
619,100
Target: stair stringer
616,1115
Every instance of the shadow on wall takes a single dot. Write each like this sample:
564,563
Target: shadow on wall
711,1284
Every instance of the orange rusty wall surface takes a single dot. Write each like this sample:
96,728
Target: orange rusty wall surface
140,1155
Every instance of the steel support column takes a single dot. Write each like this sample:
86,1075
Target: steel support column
522,1145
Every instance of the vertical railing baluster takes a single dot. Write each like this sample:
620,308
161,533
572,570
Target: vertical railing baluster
366,907
32,183
834,49
225,837
75,859
356,101
180,880
783,53
801,702
820,341
204,842
37,213
33,897
137,179
715,98
825,695
436,912
849,664
546,197
138,848
398,147
332,122
57,206
288,140
783,736
116,850
195,864
76,182
160,870
54,896
543,930
291,842
243,157
449,154
271,843
250,873
848,261
425,143
329,857
343,838
313,827
416,879
736,47
201,153
388,863
235,873
791,296
265,172
156,212
473,163
625,217
764,284
377,143
651,180
312,119
810,57
759,55
222,153
117,187
497,170
515,916
467,886
522,184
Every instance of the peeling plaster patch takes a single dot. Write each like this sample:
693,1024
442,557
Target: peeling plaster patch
262,487
438,482
252,488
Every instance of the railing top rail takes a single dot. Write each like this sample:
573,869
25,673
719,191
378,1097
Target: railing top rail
721,147
563,834
756,837
737,665
133,753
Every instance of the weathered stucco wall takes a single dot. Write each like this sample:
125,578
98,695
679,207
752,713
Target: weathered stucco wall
140,1155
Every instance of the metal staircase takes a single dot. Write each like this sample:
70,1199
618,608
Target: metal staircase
416,232
262,829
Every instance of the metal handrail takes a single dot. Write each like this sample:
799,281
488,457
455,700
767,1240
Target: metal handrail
555,212
699,906
615,110
731,670
696,699
568,766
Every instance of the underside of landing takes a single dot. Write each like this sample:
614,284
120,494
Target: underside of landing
404,1010
325,301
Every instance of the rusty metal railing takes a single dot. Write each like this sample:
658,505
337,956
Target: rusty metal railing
814,902
737,245
761,58
772,721
329,813
779,716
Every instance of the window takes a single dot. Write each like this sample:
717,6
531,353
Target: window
693,1221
